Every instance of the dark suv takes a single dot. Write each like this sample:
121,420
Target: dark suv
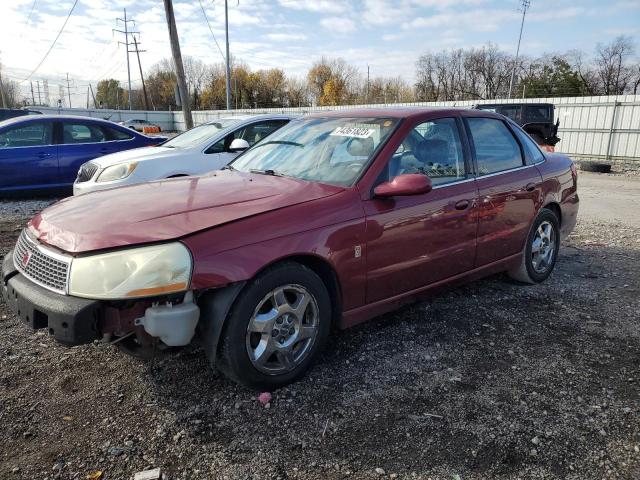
535,118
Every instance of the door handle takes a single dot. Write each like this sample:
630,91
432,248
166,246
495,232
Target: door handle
44,155
462,205
530,187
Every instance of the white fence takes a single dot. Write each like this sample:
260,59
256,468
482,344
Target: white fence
596,128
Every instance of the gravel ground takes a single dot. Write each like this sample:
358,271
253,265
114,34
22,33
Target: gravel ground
491,380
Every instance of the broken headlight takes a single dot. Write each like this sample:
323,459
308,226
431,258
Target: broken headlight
132,273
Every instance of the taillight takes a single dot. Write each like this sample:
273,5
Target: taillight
574,171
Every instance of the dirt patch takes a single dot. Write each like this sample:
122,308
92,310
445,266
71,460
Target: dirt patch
490,380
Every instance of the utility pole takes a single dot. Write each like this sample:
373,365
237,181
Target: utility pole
126,44
45,92
38,85
68,91
525,5
367,83
4,100
226,32
93,96
177,60
33,98
144,88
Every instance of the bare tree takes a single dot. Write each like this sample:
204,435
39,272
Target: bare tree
611,65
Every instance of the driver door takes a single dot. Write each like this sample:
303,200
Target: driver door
413,241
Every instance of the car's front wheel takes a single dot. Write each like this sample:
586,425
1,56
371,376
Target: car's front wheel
541,250
276,327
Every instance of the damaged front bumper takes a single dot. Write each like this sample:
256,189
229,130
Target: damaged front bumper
76,321
71,320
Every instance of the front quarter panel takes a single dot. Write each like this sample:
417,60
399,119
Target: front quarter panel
328,229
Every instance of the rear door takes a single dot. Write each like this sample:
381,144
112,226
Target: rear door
79,141
219,153
509,190
28,157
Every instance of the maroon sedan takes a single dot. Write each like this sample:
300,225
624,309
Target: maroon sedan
337,218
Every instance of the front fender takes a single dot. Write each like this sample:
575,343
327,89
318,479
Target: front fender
214,309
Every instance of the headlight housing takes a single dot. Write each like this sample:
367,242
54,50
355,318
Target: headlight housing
117,172
132,273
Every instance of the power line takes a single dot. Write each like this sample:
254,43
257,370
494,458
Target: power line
54,42
211,30
33,5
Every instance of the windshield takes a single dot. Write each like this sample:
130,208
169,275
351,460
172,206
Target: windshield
327,150
199,134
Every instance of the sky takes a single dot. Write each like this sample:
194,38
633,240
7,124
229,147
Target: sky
387,35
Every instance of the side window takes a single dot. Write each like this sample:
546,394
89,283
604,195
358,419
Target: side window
532,152
514,112
81,133
221,145
433,148
31,135
251,133
496,149
115,134
257,131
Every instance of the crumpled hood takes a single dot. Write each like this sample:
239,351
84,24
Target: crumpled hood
166,209
138,155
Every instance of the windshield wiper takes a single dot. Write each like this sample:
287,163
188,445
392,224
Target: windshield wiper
267,171
279,142
227,167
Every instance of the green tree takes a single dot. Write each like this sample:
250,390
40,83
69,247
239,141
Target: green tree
109,94
552,78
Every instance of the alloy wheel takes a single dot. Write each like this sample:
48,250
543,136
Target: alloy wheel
543,248
282,330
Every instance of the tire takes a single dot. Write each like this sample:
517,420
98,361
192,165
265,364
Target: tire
276,327
535,267
595,167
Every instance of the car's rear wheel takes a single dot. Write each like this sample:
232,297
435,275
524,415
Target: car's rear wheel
276,327
541,250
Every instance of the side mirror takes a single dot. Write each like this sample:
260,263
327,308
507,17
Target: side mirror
238,145
404,185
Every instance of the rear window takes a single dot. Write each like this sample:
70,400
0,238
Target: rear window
538,113
115,134
533,153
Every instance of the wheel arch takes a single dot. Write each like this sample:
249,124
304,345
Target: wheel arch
321,267
555,208
216,304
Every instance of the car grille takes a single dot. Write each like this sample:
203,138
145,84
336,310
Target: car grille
86,172
46,268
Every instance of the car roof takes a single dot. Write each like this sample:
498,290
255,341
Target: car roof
404,112
258,116
480,105
39,118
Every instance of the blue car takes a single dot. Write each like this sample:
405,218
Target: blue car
40,154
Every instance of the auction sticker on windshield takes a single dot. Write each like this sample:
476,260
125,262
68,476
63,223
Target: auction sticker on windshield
357,132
